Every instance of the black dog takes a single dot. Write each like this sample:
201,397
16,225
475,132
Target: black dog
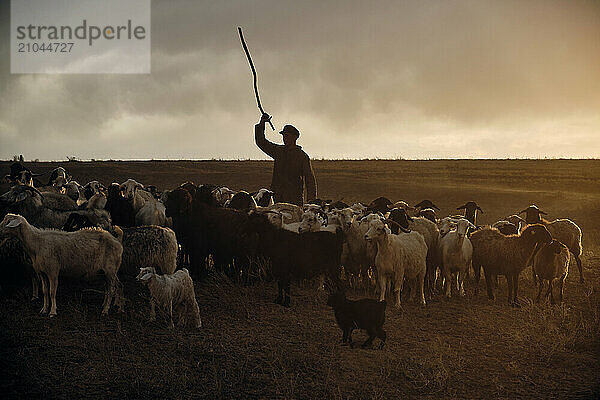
367,314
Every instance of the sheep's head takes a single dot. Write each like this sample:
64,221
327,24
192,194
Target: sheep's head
377,229
533,215
426,204
178,203
401,217
427,213
311,222
337,298
19,193
129,187
556,246
462,226
536,233
343,217
264,197
12,221
146,274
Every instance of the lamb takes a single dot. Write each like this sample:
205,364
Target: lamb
505,255
457,251
471,209
367,314
82,254
398,256
549,262
563,230
172,291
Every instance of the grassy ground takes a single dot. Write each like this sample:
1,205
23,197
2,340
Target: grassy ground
250,348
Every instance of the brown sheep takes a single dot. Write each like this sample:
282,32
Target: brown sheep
550,261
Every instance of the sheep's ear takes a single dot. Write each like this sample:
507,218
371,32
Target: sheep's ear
13,223
146,277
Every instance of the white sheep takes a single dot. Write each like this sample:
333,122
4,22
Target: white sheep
80,254
398,256
172,291
456,251
152,213
130,189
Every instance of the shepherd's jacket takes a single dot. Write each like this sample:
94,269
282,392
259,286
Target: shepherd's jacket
291,171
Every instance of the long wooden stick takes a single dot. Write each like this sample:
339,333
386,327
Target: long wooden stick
253,74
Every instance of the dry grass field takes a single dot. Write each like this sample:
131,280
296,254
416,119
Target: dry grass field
249,347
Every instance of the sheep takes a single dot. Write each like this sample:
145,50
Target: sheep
97,202
425,204
379,205
28,203
506,227
398,256
82,253
241,201
430,233
358,255
549,262
516,221
91,188
58,201
223,195
121,211
296,256
152,213
75,191
263,197
457,251
170,291
471,209
367,314
427,213
58,177
16,264
563,230
505,255
147,246
134,192
291,212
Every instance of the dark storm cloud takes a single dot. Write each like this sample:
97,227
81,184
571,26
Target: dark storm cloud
360,79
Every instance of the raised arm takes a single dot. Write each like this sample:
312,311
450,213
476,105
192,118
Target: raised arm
309,180
268,147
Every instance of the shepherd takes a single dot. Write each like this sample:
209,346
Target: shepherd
292,169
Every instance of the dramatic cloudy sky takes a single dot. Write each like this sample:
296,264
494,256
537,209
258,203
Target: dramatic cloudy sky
412,79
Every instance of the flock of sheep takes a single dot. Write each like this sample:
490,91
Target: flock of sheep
132,231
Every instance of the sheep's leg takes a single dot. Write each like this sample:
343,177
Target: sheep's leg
461,283
35,287
196,312
580,267
515,285
279,298
398,288
345,333
44,309
108,293
447,282
534,274
372,335
421,287
488,284
350,342
562,287
541,286
382,336
382,287
152,310
550,291
287,293
509,281
477,270
170,310
53,283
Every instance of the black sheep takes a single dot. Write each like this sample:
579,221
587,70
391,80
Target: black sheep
367,314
